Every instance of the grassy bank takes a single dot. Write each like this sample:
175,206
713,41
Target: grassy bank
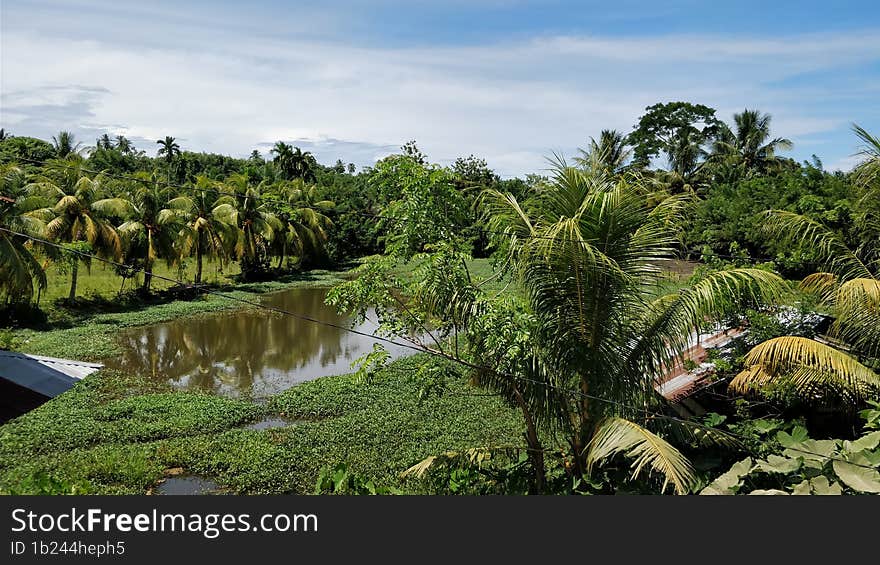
110,434
102,280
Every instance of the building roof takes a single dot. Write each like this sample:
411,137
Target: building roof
48,376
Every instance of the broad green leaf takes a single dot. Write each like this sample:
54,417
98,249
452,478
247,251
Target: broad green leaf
730,481
802,488
821,486
856,476
868,441
772,492
766,426
812,449
798,434
777,464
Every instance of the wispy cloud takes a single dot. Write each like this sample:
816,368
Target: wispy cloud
512,102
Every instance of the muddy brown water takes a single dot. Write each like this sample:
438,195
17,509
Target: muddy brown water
250,353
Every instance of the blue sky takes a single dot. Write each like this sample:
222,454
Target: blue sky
511,81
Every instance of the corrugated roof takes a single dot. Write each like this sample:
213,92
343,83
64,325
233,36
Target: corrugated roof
48,376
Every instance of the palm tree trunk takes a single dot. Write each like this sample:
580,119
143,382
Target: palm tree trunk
74,272
199,258
536,450
148,276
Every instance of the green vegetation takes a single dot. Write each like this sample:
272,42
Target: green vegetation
550,309
98,439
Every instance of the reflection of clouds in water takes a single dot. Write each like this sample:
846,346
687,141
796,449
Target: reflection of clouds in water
248,352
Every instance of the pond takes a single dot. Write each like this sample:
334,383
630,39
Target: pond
248,353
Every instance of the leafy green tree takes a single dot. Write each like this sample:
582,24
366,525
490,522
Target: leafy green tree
815,371
283,158
421,203
124,145
581,354
586,253
678,130
104,142
79,213
303,165
15,148
293,162
304,223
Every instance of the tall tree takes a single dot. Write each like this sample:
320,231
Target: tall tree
104,142
169,149
581,352
151,228
749,144
587,253
207,233
80,213
66,145
303,165
283,158
256,223
304,222
124,145
818,372
678,130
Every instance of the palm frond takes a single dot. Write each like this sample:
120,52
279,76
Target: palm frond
617,436
808,365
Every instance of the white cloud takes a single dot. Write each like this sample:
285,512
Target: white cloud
510,103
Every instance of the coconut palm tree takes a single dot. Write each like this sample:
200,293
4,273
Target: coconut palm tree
168,148
587,253
834,369
610,151
303,164
66,145
256,223
124,145
79,212
19,268
151,228
104,142
283,158
750,144
304,223
206,233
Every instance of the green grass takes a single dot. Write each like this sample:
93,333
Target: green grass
95,439
102,281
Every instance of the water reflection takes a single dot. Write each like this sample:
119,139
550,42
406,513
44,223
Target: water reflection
248,352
